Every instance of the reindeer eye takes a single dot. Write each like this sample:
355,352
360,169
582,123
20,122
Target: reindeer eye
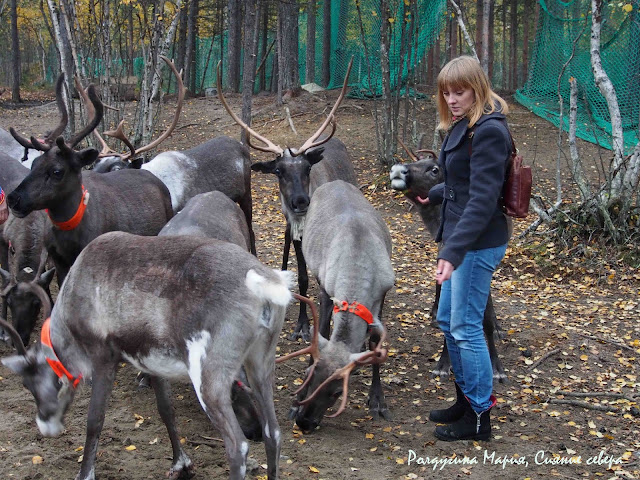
435,171
277,172
57,174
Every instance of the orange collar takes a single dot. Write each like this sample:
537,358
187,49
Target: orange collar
355,308
74,221
52,359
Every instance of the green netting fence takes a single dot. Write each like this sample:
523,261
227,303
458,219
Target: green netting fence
346,41
565,23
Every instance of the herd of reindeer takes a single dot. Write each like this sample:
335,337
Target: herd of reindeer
157,266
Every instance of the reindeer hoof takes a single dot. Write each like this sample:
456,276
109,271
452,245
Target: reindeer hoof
300,333
440,372
378,408
501,377
181,473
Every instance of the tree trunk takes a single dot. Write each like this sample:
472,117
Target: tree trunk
190,54
528,12
250,45
310,70
513,46
486,14
263,45
479,19
234,44
492,43
15,53
65,65
326,43
289,78
181,47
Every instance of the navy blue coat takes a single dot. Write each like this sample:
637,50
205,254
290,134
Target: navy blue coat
471,216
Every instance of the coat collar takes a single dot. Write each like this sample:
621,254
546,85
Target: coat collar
458,134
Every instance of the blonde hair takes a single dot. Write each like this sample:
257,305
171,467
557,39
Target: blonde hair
462,73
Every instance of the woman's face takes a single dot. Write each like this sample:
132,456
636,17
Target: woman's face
459,100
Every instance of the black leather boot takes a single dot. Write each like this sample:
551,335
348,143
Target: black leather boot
471,426
454,412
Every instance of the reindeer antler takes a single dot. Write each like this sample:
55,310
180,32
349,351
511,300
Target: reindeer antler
412,155
119,131
313,140
377,355
33,143
269,147
313,349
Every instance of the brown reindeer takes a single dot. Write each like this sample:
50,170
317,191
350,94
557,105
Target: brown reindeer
415,180
82,205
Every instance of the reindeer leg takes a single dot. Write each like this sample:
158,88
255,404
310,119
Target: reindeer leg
434,307
102,383
443,366
287,246
246,205
182,467
326,310
260,368
376,402
302,327
213,387
489,322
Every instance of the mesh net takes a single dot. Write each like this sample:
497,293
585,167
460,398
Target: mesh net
563,38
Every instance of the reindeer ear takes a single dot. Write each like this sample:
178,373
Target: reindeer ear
315,155
136,163
264,167
16,363
87,156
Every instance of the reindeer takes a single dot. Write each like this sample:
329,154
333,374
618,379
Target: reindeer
415,180
214,215
83,205
221,164
347,246
300,172
197,308
21,245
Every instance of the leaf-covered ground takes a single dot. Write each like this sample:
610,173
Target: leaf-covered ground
571,345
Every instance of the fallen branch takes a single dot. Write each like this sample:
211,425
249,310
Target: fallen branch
293,128
606,340
583,404
543,358
209,442
594,394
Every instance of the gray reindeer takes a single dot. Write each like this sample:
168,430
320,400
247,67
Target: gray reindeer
347,246
415,180
300,171
193,307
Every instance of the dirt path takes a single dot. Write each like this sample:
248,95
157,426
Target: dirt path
589,318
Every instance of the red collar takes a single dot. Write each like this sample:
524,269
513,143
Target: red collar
52,359
355,308
74,221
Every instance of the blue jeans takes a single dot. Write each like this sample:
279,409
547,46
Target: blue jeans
463,299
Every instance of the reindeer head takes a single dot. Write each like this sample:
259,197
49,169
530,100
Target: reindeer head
292,166
21,291
57,172
416,179
327,378
52,395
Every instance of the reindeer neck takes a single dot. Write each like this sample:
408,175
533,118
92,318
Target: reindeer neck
69,210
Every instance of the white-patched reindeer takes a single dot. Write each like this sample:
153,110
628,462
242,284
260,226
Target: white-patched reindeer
220,164
196,308
300,172
347,246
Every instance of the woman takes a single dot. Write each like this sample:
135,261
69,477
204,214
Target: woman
474,235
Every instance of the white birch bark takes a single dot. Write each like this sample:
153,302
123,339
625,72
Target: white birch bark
607,90
463,28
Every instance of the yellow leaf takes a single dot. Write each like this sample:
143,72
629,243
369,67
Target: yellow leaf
400,461
314,470
79,449
37,460
369,435
130,448
627,8
391,20
584,358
